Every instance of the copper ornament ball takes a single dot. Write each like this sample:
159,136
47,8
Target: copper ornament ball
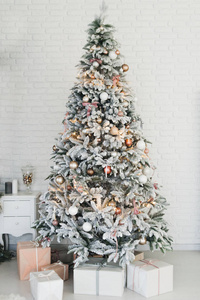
60,179
107,170
125,67
99,120
128,142
120,113
118,210
90,172
146,151
92,76
114,130
69,187
55,222
117,52
73,165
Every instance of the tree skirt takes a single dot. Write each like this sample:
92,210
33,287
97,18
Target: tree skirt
11,297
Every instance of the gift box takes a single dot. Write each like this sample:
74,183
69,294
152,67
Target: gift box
30,258
150,277
46,285
97,279
61,254
61,269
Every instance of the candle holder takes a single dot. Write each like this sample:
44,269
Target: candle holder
27,173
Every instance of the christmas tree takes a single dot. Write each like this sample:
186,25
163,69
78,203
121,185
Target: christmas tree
101,193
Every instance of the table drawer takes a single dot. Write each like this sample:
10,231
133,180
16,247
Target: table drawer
16,208
17,225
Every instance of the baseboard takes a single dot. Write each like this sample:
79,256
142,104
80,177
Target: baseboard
176,247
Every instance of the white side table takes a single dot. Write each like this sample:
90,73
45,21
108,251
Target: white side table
18,214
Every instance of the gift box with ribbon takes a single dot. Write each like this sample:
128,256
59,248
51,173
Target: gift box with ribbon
99,279
150,277
31,257
60,268
46,285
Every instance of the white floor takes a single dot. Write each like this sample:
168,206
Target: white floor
186,279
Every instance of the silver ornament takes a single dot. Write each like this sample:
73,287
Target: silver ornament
86,98
73,165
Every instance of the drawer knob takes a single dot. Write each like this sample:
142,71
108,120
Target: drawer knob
17,223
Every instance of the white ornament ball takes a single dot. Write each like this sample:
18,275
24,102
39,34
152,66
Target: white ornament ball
142,179
112,55
125,104
95,64
114,154
147,171
73,210
87,226
104,96
141,145
86,98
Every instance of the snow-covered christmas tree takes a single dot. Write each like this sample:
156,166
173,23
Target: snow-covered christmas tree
101,193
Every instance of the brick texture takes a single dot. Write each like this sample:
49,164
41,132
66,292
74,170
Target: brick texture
41,42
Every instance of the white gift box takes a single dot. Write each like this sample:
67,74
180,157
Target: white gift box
46,285
99,280
150,277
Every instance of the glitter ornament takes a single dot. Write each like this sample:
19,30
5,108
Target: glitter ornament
114,130
90,172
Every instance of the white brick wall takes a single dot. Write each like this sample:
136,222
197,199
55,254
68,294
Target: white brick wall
41,42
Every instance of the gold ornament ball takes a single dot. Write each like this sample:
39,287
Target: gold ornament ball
54,148
125,67
117,52
114,130
112,203
143,241
73,165
99,120
105,51
86,98
128,142
74,134
60,179
90,172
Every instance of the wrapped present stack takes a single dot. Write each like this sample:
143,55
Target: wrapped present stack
31,258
